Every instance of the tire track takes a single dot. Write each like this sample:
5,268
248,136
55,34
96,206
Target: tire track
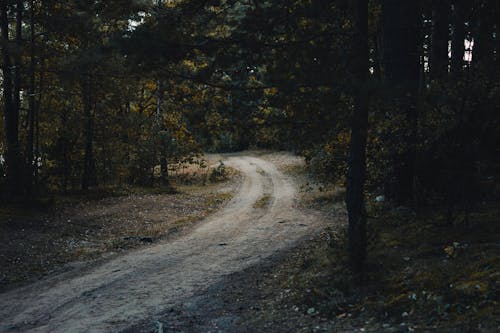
117,293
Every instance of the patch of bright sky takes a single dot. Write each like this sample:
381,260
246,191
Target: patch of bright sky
132,24
469,45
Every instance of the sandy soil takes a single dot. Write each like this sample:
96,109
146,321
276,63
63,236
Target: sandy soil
37,242
118,293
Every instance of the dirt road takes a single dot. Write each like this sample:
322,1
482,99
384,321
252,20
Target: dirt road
260,221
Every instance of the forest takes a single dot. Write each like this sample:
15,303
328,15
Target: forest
393,104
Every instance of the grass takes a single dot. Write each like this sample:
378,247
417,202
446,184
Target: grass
38,239
263,202
215,199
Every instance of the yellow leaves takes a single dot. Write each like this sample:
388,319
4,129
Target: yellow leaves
304,23
191,65
329,148
184,89
172,3
453,249
450,251
220,31
344,138
150,85
271,91
347,25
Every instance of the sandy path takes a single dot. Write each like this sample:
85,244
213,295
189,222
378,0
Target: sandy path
114,295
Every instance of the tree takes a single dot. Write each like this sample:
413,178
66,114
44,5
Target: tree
30,149
483,32
440,32
401,69
359,130
458,37
11,102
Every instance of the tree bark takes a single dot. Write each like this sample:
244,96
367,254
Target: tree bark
38,110
440,37
458,38
497,37
11,112
88,178
18,55
31,109
357,152
482,53
401,69
161,131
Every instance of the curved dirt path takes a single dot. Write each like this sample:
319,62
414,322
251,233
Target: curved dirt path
260,221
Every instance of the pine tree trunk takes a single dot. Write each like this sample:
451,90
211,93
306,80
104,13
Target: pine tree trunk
88,178
38,110
31,109
163,145
496,13
11,113
440,37
357,153
18,55
401,68
458,38
17,88
482,53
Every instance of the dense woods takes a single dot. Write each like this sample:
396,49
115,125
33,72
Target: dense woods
397,100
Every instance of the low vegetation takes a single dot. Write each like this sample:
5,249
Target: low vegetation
421,274
56,234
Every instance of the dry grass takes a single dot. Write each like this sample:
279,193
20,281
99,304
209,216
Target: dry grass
263,202
35,243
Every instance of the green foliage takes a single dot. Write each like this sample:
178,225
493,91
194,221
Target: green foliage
240,75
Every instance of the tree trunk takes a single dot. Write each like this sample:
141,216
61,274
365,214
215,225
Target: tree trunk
496,13
11,113
401,68
161,131
440,37
357,152
377,72
482,53
65,153
18,55
458,38
88,178
38,110
31,110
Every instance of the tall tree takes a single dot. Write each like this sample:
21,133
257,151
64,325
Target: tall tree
162,134
458,37
483,52
89,172
401,68
10,107
160,118
359,128
440,37
18,54
32,102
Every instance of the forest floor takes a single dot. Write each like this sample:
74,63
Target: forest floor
113,293
74,230
272,259
422,275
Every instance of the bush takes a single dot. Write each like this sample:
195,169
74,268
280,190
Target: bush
218,174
